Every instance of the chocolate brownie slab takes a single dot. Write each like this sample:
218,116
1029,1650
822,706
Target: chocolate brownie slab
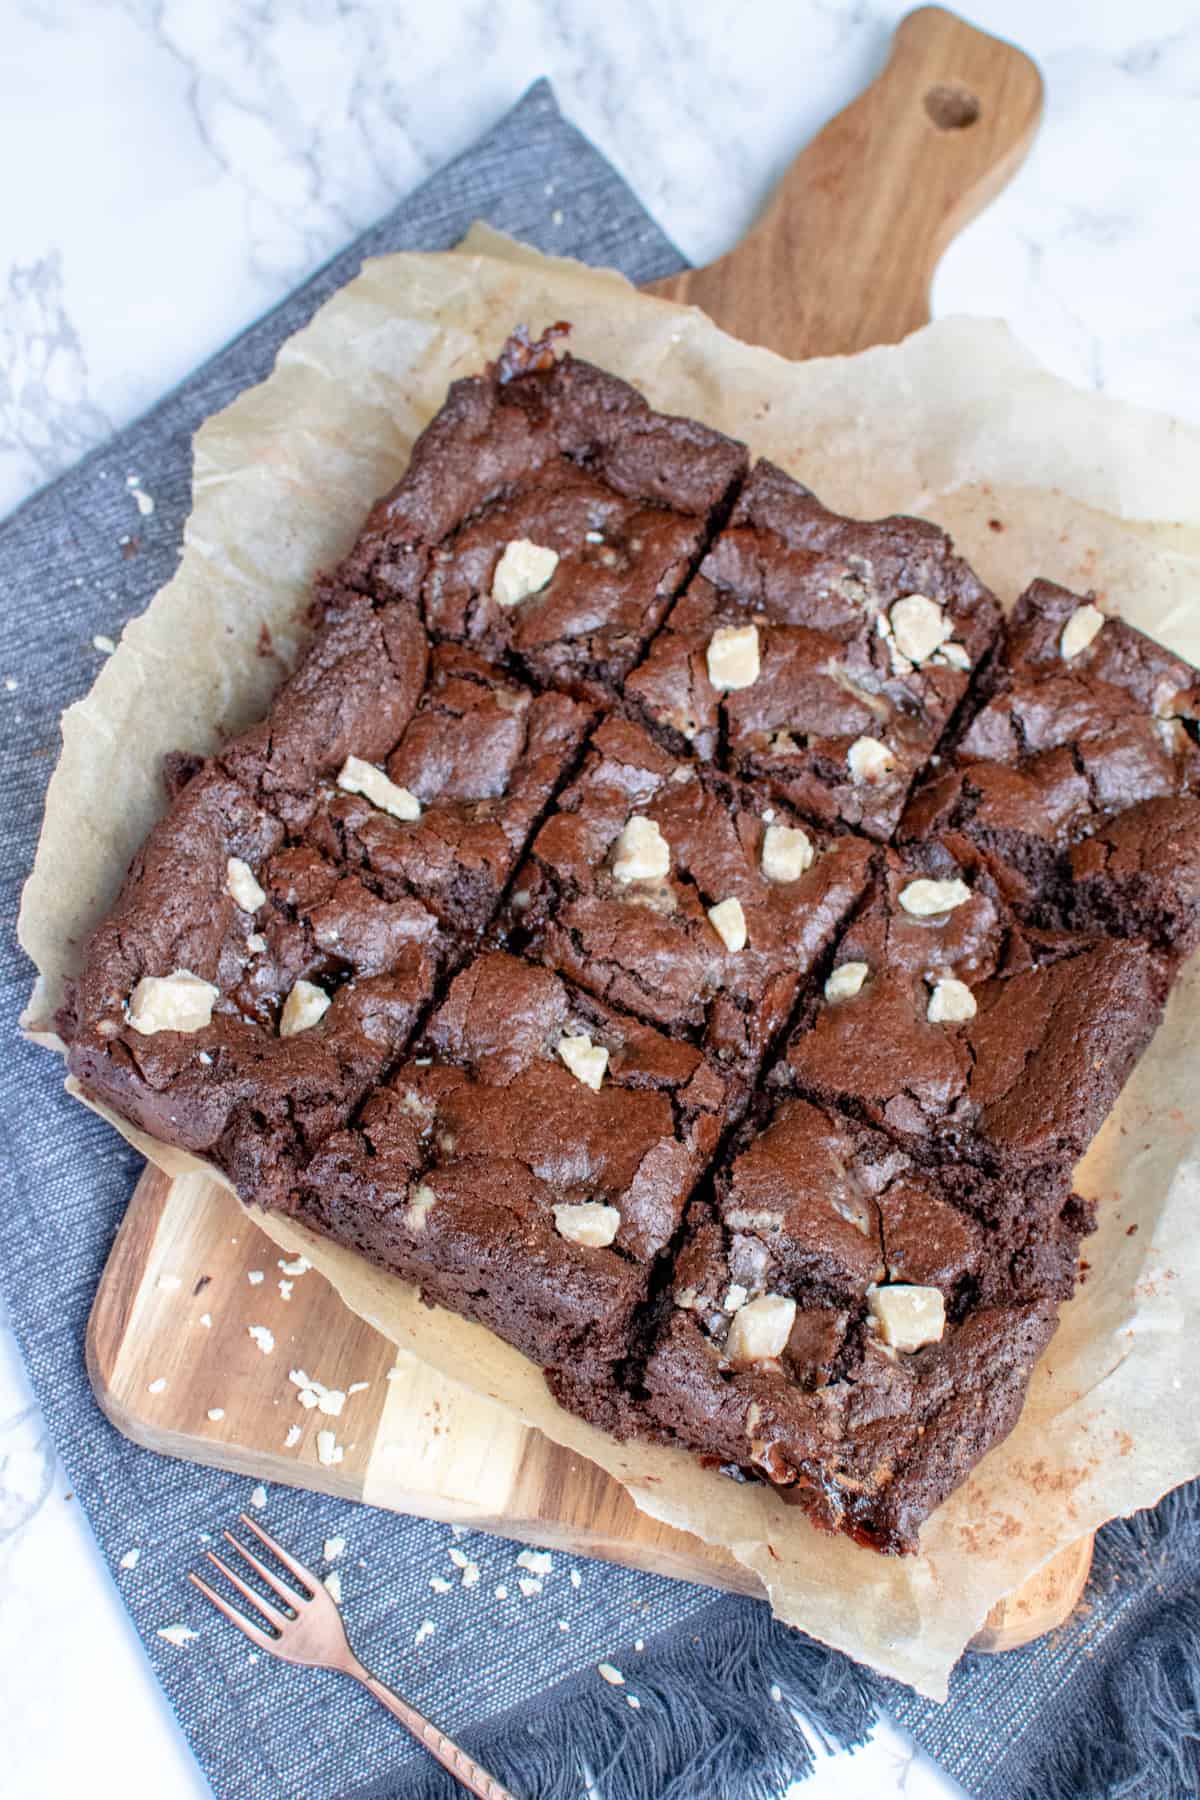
550,515
244,993
467,781
529,1166
992,1050
685,898
1080,775
822,654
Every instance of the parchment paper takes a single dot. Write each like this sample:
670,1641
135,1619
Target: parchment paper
958,423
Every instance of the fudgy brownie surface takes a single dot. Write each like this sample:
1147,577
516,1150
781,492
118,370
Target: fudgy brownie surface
599,1002
857,642
354,692
529,1165
840,1329
244,1081
1079,775
550,515
682,896
969,1039
481,757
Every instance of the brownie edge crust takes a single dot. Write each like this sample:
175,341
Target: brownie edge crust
679,929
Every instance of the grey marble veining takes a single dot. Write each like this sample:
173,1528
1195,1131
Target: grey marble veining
182,163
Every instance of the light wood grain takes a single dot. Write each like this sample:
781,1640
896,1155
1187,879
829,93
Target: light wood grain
841,259
844,253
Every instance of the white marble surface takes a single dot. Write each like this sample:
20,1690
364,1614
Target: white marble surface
171,167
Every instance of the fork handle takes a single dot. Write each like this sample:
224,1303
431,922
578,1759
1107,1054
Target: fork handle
464,1768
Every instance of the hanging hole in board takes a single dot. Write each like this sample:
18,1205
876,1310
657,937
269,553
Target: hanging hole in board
951,106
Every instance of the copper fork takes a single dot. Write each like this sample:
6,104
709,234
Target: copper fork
313,1634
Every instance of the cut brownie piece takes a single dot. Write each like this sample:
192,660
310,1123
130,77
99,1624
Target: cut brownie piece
993,1050
860,1377
548,513
476,767
526,1169
243,994
822,653
671,891
1079,777
354,692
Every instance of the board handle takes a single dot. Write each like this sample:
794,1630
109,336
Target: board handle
844,254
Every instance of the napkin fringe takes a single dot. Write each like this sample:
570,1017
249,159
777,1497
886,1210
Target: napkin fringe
706,1724
1139,1737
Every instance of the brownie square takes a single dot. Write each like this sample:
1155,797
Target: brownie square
530,1166
244,992
548,514
480,758
992,1050
353,693
822,654
1079,776
648,886
826,1338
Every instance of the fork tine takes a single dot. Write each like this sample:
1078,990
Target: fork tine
263,1639
276,1618
288,1595
304,1576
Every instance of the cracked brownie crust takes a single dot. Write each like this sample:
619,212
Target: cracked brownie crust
650,935
1079,775
555,941
569,461
529,1165
864,637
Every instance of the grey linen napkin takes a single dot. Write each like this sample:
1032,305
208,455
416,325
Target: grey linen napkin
515,1677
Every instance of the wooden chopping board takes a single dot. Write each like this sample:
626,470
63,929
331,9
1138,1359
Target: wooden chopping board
841,259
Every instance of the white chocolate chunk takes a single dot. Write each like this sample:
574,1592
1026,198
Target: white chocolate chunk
908,1317
586,1061
524,569
733,658
754,1219
177,1002
1079,630
919,627
760,1330
925,898
729,922
359,777
329,1451
242,886
591,1223
954,654
786,852
869,760
950,1002
418,1209
643,853
846,980
735,1298
304,1006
